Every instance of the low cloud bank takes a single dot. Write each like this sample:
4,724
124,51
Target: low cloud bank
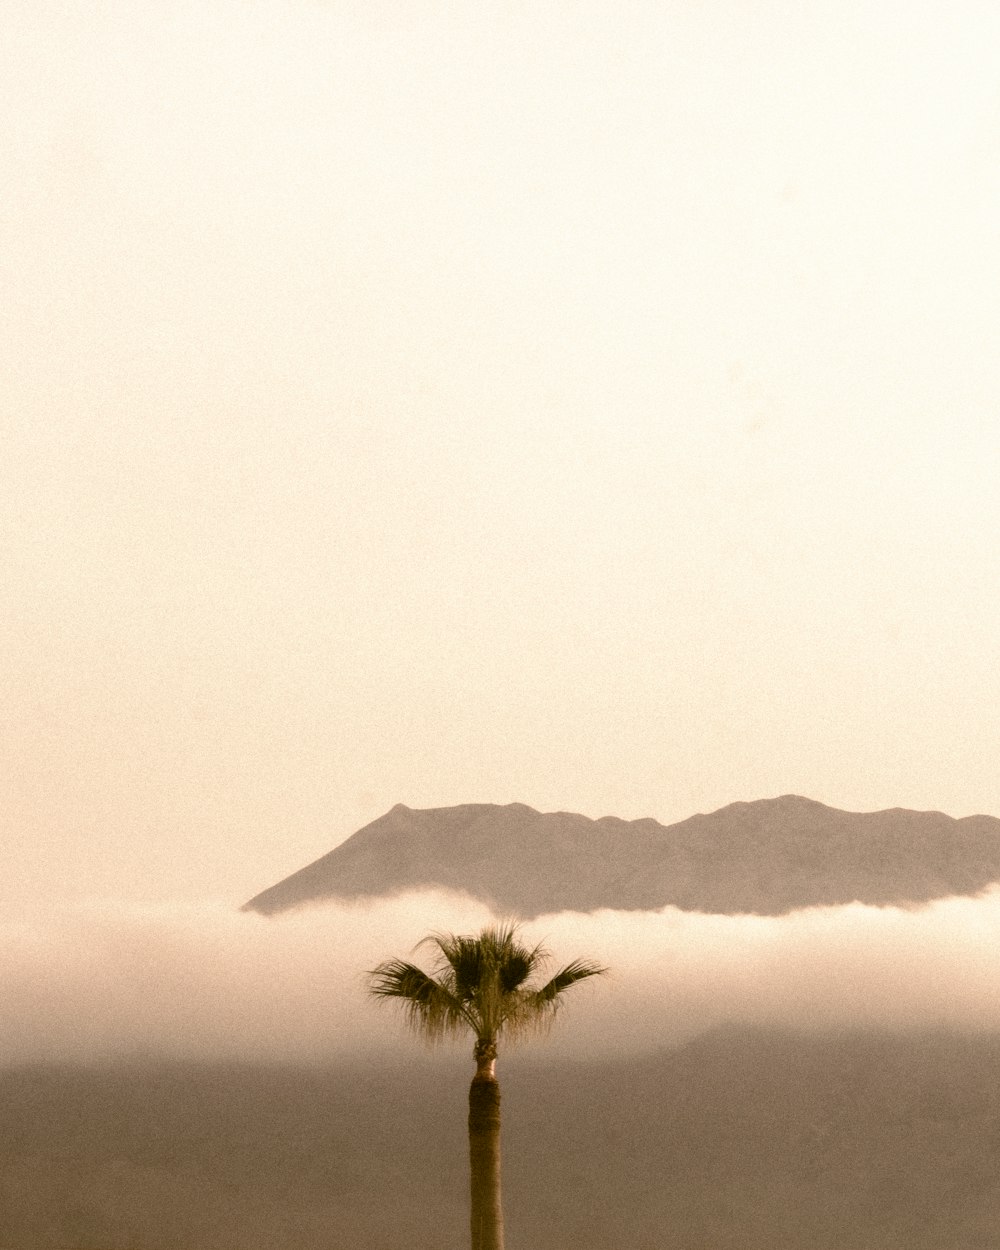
205,981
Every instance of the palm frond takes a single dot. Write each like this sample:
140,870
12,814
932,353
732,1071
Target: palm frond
535,1010
481,982
431,1007
464,962
575,972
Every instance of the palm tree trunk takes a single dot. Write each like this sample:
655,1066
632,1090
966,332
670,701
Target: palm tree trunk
484,1151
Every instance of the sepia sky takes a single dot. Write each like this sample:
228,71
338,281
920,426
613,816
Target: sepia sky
595,405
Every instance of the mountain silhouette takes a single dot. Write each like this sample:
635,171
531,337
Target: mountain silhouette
767,857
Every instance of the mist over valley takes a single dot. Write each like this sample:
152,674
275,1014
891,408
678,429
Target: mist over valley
199,1077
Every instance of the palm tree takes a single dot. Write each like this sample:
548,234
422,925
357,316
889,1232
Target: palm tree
482,984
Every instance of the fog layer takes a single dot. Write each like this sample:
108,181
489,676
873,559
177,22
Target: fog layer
206,981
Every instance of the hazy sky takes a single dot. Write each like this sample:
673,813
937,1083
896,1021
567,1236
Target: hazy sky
590,404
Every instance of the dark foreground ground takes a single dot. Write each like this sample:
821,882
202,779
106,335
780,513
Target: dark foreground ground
737,1141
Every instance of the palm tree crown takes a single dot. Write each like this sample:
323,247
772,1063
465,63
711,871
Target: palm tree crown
482,983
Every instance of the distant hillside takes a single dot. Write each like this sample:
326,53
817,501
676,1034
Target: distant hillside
767,857
737,1141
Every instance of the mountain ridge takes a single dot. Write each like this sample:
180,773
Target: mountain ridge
766,857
